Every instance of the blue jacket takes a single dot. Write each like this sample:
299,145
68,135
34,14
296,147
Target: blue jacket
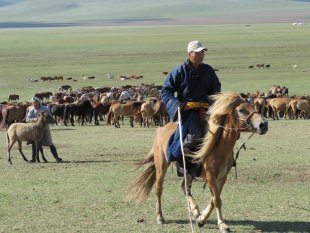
190,85
32,113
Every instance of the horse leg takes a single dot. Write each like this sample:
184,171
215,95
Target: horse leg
131,121
216,202
42,153
21,151
72,120
191,200
10,145
161,167
116,121
37,151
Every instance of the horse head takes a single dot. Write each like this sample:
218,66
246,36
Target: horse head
46,118
248,119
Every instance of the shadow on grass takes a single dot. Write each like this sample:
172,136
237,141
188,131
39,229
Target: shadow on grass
263,226
63,129
274,226
88,161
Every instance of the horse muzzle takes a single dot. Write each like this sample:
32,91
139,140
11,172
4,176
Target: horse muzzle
262,127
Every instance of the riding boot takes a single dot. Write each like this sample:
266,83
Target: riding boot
55,154
34,153
192,168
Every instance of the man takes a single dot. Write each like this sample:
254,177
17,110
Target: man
31,116
193,81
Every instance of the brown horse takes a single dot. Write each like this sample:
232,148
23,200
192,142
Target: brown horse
278,106
118,109
230,115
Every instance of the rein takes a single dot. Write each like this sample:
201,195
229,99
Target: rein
237,154
247,121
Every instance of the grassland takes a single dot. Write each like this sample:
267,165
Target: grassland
32,53
87,192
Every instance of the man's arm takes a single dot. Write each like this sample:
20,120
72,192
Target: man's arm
167,95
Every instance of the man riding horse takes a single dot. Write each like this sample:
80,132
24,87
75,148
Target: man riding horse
193,81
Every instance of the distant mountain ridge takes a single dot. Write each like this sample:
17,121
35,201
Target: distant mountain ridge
145,12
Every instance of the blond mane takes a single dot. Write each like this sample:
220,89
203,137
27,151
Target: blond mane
224,104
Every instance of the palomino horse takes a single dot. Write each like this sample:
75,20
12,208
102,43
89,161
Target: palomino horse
230,115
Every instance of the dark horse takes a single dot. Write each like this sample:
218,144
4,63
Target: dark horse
57,111
81,110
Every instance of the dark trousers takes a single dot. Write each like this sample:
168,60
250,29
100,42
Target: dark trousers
52,148
196,132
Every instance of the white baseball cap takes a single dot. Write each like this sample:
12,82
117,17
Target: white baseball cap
195,46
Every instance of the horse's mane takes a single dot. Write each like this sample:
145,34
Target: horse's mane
224,104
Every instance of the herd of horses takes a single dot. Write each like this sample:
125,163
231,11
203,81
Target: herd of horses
93,106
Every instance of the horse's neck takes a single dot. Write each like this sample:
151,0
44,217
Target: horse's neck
228,137
40,122
228,140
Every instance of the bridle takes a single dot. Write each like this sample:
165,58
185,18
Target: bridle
249,125
247,121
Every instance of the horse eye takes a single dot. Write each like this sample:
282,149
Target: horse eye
241,110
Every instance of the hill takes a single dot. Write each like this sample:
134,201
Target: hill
141,12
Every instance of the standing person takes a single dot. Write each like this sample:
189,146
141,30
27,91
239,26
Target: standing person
47,137
193,81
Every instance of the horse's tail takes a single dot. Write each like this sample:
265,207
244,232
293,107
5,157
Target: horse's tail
109,116
5,113
7,139
140,189
289,110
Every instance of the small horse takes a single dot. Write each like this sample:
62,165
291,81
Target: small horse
230,115
66,88
33,131
117,109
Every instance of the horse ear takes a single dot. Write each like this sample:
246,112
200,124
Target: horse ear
243,96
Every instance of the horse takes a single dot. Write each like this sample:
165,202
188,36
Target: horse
100,109
33,131
13,97
13,113
81,110
66,88
57,110
43,95
279,106
230,115
118,110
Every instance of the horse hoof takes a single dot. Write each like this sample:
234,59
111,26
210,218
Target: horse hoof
32,161
199,224
160,221
225,230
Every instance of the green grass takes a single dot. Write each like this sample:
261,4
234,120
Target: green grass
87,192
147,51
